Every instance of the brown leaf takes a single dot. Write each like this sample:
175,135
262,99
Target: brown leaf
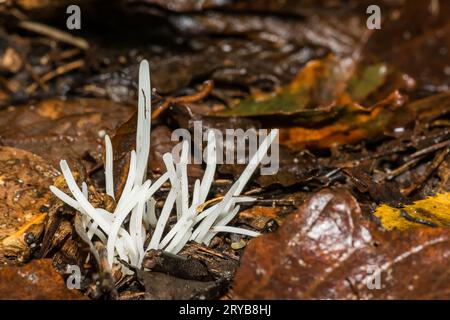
181,267
328,251
415,40
24,195
319,91
353,125
57,129
293,7
161,286
342,34
37,280
257,217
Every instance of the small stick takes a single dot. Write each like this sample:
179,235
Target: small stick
404,167
54,33
212,252
202,206
206,88
35,77
69,53
434,165
55,73
430,149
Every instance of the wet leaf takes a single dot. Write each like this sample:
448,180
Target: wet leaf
24,201
37,280
257,217
322,106
250,65
319,91
415,40
342,33
275,6
161,286
327,250
181,267
351,126
431,108
433,211
59,129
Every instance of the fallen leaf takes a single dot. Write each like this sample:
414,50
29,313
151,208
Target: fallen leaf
336,32
257,217
351,126
58,129
37,280
322,106
415,40
181,267
433,211
319,91
327,250
161,286
24,200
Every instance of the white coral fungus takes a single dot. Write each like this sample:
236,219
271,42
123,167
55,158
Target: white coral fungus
136,206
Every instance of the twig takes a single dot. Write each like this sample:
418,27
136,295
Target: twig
69,53
202,206
204,91
54,33
434,165
404,167
57,72
430,149
35,77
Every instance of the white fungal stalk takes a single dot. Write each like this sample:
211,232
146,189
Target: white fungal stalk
136,206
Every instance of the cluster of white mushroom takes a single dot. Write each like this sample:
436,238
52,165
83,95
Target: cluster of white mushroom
136,206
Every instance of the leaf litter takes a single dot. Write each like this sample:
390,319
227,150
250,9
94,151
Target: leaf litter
361,197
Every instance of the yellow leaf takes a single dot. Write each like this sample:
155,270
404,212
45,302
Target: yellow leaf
433,211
